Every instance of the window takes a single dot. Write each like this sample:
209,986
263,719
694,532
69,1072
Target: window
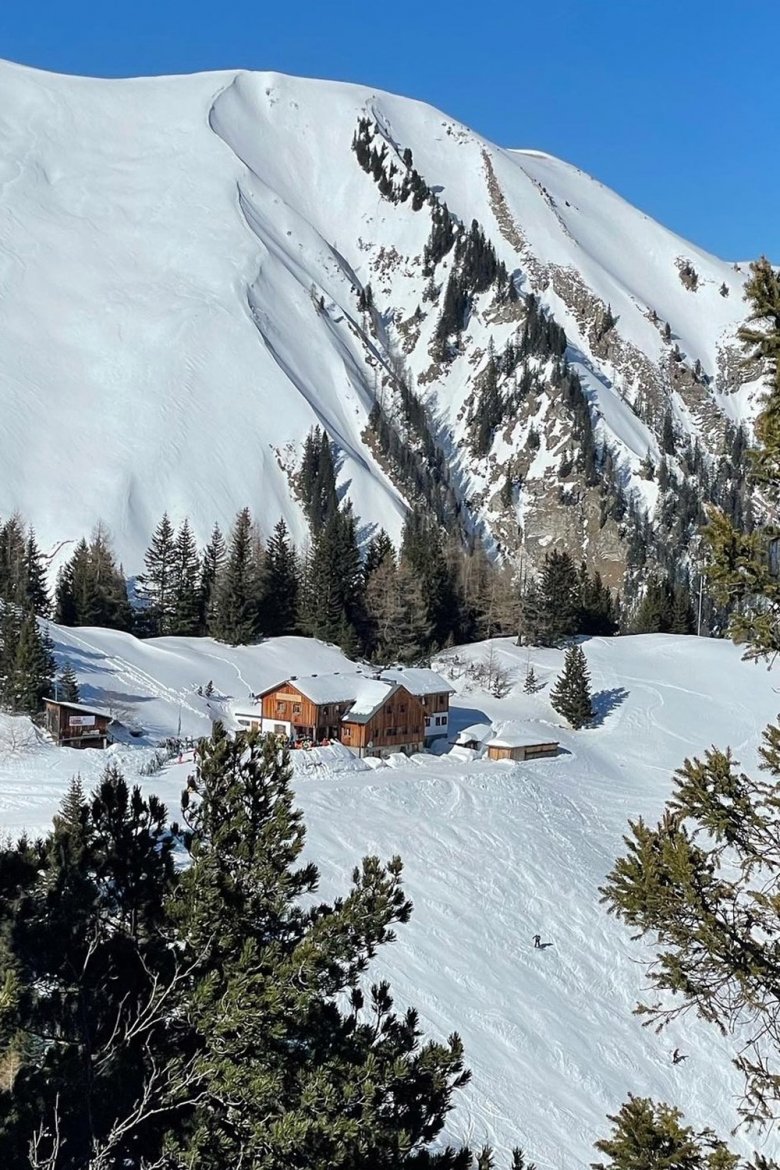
346,732
296,708
402,709
279,729
281,707
390,731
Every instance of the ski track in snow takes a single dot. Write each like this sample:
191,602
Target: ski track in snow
493,854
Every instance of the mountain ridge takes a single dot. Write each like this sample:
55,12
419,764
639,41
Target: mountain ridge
182,261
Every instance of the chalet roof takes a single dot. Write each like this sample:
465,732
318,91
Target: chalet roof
419,680
370,696
322,688
507,734
81,708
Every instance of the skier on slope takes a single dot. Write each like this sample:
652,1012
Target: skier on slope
537,941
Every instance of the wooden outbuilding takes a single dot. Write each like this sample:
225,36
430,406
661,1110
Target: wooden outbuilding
509,741
76,725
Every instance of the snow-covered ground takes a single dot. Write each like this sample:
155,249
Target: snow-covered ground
494,853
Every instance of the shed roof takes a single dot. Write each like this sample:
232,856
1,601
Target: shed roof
80,707
507,734
419,680
510,734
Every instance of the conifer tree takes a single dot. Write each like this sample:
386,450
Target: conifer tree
13,561
68,685
531,683
298,1065
236,618
27,663
647,1136
36,593
212,567
279,594
185,616
157,584
571,695
91,589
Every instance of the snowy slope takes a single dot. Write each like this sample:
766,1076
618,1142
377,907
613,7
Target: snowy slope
162,246
493,854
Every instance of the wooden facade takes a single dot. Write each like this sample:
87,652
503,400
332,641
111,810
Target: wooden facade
526,751
397,724
75,725
287,711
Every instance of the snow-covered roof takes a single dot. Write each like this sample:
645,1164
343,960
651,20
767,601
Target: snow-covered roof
476,733
80,707
418,680
510,734
323,688
370,695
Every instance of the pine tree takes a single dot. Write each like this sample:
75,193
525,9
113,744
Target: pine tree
279,594
157,584
297,1064
36,593
185,617
13,561
82,939
571,695
29,673
531,683
91,589
68,685
236,618
212,567
647,1136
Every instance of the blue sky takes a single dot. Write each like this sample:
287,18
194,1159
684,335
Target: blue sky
675,105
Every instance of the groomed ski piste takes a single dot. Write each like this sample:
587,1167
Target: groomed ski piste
494,853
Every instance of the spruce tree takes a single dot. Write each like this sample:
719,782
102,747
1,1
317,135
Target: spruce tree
27,663
279,592
157,583
13,561
571,695
68,685
212,567
531,683
36,593
185,617
236,618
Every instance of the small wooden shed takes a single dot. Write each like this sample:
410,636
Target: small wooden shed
76,725
509,741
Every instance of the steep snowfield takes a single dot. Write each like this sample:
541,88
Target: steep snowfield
162,245
494,853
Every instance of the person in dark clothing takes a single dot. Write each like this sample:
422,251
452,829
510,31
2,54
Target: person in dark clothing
537,941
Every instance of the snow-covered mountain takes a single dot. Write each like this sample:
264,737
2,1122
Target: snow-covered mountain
184,292
493,854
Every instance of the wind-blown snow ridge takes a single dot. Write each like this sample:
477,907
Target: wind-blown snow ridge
166,244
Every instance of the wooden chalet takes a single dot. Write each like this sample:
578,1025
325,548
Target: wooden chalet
76,725
383,718
306,709
433,693
371,714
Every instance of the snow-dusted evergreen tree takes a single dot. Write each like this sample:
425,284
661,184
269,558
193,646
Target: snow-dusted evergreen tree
212,567
236,613
91,588
279,594
68,685
185,620
571,695
26,662
36,593
157,584
531,683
